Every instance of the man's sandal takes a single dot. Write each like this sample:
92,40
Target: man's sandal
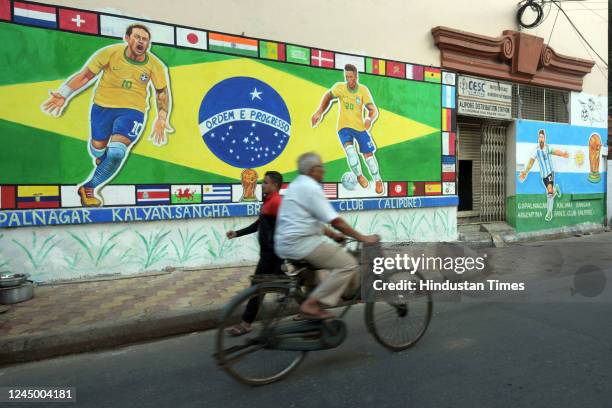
238,330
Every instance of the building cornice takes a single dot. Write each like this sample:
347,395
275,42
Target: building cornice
513,56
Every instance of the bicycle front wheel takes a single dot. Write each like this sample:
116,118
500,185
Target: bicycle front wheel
249,358
398,322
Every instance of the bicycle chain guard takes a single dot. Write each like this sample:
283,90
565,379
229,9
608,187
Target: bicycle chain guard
309,335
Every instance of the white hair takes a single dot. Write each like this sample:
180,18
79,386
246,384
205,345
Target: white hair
307,161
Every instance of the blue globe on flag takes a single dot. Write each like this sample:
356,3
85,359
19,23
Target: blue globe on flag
244,122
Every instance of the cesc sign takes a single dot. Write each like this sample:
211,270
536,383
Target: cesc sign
469,86
484,98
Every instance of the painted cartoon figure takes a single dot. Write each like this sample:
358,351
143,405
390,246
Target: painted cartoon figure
542,154
590,111
353,98
124,74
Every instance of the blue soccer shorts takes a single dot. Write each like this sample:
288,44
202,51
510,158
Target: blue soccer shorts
366,144
106,122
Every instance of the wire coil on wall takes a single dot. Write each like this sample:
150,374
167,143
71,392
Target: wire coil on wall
533,6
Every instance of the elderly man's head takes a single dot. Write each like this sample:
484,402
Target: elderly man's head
310,164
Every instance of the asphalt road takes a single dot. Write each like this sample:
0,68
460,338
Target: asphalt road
552,349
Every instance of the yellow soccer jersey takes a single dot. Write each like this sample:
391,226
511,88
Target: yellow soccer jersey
351,104
124,81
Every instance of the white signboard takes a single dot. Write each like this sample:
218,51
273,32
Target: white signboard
589,110
481,97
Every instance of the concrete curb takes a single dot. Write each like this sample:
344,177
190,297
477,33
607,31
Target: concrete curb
504,238
20,349
555,233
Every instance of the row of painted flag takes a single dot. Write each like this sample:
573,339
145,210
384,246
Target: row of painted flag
449,160
54,196
114,26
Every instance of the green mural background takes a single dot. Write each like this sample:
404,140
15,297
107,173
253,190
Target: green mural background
39,149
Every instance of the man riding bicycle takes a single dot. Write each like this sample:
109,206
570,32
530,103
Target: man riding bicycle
300,231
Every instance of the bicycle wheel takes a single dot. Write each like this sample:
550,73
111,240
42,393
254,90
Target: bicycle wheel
249,358
399,321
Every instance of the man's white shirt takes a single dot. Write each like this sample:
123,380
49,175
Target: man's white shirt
303,213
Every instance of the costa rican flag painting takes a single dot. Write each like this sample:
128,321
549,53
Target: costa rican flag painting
152,194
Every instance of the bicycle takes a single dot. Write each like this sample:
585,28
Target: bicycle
280,340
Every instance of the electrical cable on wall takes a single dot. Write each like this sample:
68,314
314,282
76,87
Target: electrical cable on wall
538,7
579,33
533,6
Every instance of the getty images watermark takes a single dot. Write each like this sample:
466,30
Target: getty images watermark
460,272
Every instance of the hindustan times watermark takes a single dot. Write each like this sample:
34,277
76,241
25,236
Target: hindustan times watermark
458,272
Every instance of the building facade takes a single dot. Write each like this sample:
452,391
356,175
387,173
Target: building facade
239,87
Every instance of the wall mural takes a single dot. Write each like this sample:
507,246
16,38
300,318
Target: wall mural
561,175
123,249
589,110
113,119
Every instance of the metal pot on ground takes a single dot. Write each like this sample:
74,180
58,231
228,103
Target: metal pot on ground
17,294
8,279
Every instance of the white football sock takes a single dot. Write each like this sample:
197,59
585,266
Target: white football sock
550,202
373,166
353,159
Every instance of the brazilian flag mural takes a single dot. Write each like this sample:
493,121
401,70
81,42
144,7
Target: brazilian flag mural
120,116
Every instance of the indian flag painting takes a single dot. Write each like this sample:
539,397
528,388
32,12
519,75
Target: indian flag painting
232,44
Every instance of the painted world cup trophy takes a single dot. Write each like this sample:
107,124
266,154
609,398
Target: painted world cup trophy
594,157
249,184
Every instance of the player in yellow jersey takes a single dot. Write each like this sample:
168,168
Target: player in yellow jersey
353,98
124,75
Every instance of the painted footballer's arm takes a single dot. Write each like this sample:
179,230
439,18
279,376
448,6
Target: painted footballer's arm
56,103
162,127
560,153
372,115
524,173
325,102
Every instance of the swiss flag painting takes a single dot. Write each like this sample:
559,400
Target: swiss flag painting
79,21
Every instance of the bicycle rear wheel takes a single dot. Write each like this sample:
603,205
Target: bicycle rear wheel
399,321
248,358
